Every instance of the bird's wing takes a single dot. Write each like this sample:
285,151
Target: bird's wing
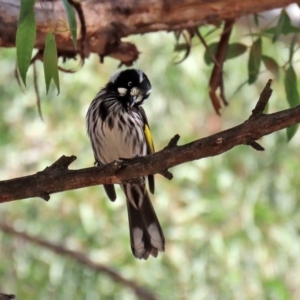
150,145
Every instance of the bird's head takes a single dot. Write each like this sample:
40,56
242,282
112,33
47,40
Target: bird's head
131,86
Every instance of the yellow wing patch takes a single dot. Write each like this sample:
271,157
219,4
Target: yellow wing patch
148,137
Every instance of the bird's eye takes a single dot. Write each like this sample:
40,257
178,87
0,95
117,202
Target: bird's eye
129,83
122,91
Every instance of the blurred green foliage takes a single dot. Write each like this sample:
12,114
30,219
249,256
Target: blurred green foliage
231,222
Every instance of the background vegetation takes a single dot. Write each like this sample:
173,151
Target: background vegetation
231,222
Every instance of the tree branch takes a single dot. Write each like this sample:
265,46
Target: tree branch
102,24
58,177
80,258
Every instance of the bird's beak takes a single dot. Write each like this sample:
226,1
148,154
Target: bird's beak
132,101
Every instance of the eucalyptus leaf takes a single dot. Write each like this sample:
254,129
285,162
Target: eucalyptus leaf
26,7
234,50
271,64
291,131
254,61
50,62
72,20
284,26
25,38
290,85
292,94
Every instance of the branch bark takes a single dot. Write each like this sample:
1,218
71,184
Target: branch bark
80,258
102,24
58,177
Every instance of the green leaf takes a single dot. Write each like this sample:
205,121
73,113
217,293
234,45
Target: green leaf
284,26
254,60
256,20
290,85
291,131
50,62
26,7
25,39
234,50
72,20
181,47
284,18
292,47
270,64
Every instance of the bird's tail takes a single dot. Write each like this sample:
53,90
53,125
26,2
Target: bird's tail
146,235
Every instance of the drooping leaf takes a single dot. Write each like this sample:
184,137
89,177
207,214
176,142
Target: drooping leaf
292,95
72,20
270,64
234,50
50,62
254,60
290,85
291,131
26,7
284,26
25,39
283,19
292,47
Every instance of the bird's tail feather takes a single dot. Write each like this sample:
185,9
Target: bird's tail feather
145,231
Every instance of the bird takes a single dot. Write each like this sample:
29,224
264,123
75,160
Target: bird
118,129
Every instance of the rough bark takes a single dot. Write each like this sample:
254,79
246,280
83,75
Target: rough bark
58,177
102,24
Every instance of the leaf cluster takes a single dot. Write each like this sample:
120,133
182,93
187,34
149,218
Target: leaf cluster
25,39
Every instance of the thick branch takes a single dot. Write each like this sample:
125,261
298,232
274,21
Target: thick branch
58,177
80,258
102,24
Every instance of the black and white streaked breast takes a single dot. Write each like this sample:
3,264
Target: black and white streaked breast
115,128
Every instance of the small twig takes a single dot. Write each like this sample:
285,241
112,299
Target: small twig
62,163
202,40
216,79
256,146
82,259
173,141
37,92
167,174
263,100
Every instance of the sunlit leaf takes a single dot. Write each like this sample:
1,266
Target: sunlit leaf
270,64
25,39
254,60
72,20
234,50
50,62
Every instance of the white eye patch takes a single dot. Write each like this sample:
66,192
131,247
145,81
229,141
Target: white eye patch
122,91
